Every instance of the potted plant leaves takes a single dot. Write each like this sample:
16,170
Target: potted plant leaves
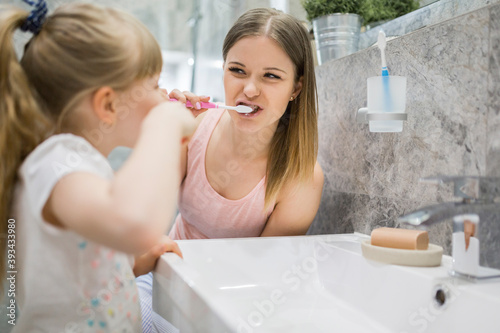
379,11
337,23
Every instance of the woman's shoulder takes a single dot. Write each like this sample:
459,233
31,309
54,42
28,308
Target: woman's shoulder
303,187
296,205
317,179
213,114
318,173
206,121
201,116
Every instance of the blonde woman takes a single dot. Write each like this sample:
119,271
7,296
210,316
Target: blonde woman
87,82
253,175
256,174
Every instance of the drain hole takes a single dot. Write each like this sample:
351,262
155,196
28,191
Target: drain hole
440,297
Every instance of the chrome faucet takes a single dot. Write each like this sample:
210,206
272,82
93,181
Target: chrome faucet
479,196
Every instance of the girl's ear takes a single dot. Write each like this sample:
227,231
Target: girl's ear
104,105
297,87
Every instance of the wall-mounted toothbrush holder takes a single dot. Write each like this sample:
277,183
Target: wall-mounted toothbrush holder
386,104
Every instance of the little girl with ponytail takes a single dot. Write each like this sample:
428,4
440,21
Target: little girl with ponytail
86,83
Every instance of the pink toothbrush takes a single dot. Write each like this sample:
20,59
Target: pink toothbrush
208,105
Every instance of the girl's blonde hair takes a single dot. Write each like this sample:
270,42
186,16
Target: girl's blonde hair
294,146
80,48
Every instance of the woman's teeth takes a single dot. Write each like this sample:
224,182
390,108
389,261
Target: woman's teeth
254,108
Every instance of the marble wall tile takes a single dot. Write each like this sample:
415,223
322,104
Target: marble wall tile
493,148
443,113
426,16
453,103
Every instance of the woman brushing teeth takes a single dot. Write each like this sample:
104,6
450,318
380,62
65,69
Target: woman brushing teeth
256,174
253,174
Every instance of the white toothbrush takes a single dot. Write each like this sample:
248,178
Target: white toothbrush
208,105
381,42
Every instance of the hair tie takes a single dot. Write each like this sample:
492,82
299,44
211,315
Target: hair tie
36,18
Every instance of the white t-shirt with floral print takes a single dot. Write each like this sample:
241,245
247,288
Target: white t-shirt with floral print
66,283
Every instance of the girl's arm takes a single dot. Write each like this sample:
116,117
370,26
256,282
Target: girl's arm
132,211
296,207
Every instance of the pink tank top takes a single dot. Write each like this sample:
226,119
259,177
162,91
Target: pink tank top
204,213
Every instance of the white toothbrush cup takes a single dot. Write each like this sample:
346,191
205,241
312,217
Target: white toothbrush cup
386,94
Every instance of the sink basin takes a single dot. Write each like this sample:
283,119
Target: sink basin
314,284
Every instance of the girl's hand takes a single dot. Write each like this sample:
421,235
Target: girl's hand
171,114
189,96
146,263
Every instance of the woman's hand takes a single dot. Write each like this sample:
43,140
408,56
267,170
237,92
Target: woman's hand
146,263
189,96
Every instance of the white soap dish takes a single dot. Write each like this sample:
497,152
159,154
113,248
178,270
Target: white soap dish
430,257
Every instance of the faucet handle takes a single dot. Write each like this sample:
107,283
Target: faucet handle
470,187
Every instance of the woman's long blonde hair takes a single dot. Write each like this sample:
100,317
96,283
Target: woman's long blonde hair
79,48
294,146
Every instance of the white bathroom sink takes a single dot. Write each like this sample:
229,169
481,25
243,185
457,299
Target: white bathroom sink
314,284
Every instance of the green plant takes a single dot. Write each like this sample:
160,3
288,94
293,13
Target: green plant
385,10
370,10
317,8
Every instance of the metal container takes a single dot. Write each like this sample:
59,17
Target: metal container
336,35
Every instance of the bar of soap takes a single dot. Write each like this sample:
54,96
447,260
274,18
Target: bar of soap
400,238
